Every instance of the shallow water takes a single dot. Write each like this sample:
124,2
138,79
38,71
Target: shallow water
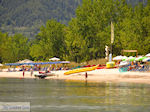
69,96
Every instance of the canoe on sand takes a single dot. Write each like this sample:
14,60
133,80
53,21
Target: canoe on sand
81,70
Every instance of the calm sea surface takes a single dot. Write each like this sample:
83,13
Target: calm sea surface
69,96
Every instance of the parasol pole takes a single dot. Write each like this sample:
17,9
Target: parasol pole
112,41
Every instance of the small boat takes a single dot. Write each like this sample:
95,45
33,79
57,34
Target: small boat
42,75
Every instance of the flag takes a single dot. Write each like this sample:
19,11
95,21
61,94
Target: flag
112,33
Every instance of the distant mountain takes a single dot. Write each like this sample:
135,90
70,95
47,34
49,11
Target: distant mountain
135,2
26,16
31,12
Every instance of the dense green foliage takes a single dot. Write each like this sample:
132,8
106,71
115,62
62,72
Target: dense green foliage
13,48
49,42
89,32
86,35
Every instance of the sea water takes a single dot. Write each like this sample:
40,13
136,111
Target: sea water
75,96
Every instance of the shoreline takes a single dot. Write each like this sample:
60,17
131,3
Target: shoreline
99,75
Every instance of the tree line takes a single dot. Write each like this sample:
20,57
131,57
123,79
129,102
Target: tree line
86,35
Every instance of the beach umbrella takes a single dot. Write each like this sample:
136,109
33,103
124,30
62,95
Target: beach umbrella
26,61
123,63
54,59
128,58
117,58
146,59
65,62
142,58
124,58
148,55
131,58
12,64
138,58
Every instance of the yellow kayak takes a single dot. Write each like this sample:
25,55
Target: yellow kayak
81,70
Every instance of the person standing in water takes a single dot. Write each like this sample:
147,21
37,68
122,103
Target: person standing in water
23,73
86,75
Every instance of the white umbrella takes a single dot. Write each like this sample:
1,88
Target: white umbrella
123,63
138,58
148,55
54,59
124,58
65,62
25,61
146,59
130,58
118,58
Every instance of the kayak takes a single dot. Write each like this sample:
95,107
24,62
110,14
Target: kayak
81,70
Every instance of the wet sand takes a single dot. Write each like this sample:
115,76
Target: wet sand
101,75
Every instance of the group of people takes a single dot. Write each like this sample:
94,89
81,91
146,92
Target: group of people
39,68
134,66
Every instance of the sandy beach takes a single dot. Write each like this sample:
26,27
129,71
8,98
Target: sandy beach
99,75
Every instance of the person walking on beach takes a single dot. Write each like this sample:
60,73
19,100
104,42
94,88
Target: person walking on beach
86,75
31,72
39,67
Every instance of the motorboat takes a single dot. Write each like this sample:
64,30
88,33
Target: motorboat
42,75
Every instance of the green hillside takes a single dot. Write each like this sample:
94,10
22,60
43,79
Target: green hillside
32,12
135,2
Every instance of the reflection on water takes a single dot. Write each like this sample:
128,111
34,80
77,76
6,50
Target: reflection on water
67,96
